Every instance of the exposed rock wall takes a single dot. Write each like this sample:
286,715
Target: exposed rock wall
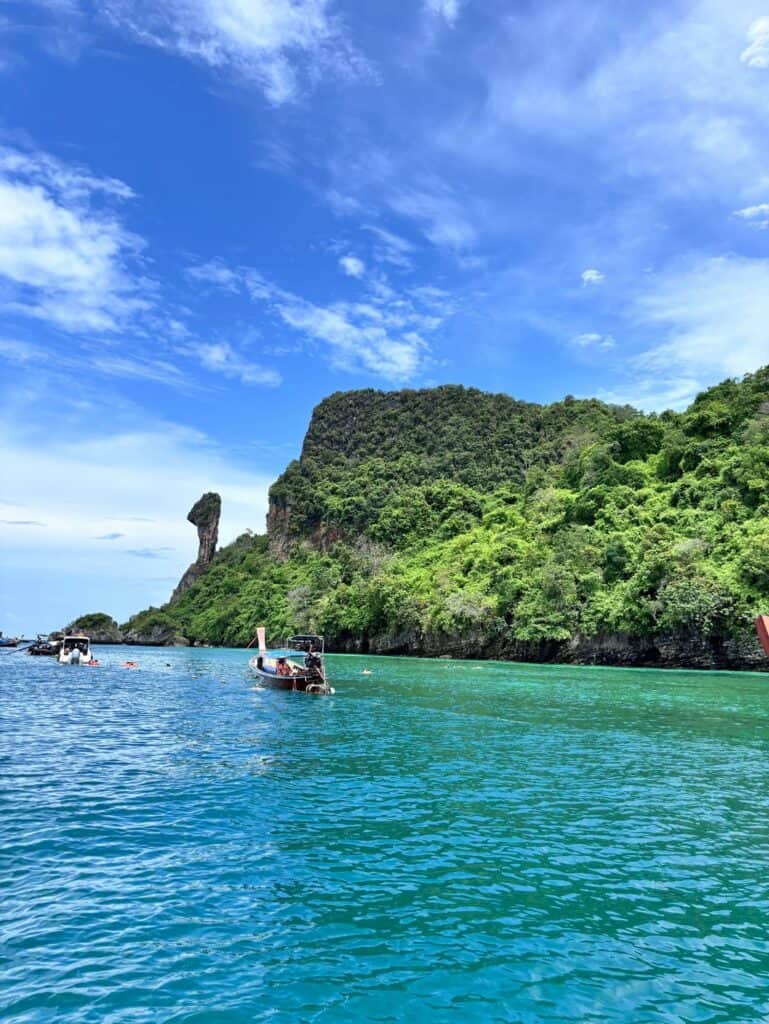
279,528
204,514
743,653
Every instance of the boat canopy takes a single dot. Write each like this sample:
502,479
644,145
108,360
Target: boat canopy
306,640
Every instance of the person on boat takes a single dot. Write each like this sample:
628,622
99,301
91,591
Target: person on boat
312,662
283,669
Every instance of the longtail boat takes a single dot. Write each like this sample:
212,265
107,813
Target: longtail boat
298,666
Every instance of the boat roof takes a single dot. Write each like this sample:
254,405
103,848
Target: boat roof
75,636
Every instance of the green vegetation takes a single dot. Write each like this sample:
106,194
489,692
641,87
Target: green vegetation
451,511
96,624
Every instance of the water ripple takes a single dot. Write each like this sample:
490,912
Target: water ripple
439,842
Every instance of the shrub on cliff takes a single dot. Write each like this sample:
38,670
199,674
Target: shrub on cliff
418,512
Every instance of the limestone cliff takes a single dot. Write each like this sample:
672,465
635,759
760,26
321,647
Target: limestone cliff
204,514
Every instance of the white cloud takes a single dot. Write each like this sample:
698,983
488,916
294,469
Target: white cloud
63,259
391,248
20,352
448,9
131,367
715,312
354,342
592,276
352,266
106,362
216,273
271,42
655,101
756,54
123,469
711,315
382,335
443,219
220,357
757,215
591,340
654,394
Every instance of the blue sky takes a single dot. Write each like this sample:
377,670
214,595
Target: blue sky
213,213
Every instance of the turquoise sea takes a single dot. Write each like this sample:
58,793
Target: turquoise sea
440,841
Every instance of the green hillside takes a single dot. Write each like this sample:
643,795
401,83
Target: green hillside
416,519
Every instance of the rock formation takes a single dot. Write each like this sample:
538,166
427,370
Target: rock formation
205,515
98,626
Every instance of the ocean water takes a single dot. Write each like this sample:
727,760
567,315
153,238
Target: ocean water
440,841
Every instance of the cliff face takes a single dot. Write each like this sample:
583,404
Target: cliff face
614,649
452,522
469,437
204,514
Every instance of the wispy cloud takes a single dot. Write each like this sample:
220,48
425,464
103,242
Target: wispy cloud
592,276
21,522
160,371
279,44
214,272
383,334
756,53
110,536
713,315
442,217
352,266
591,340
757,216
391,248
63,256
654,394
20,352
220,357
448,9
355,340
104,361
148,552
715,311
125,467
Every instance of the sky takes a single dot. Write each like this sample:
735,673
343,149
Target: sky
214,213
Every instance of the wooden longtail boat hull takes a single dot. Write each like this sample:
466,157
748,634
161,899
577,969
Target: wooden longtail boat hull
298,683
762,628
276,682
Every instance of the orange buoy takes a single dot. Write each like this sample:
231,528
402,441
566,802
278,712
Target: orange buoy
762,628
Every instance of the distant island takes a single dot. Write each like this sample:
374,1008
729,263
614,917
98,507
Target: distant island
452,521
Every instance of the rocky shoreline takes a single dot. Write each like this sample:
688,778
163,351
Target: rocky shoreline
617,650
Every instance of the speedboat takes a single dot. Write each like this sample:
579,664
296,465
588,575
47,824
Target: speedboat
298,666
75,650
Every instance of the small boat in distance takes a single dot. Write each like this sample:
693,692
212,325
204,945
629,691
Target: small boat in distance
298,666
45,646
75,650
9,641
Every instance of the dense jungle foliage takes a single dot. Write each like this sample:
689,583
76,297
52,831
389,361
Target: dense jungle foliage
449,511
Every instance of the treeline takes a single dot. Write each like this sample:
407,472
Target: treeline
450,511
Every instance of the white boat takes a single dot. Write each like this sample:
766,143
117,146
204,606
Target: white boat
75,650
